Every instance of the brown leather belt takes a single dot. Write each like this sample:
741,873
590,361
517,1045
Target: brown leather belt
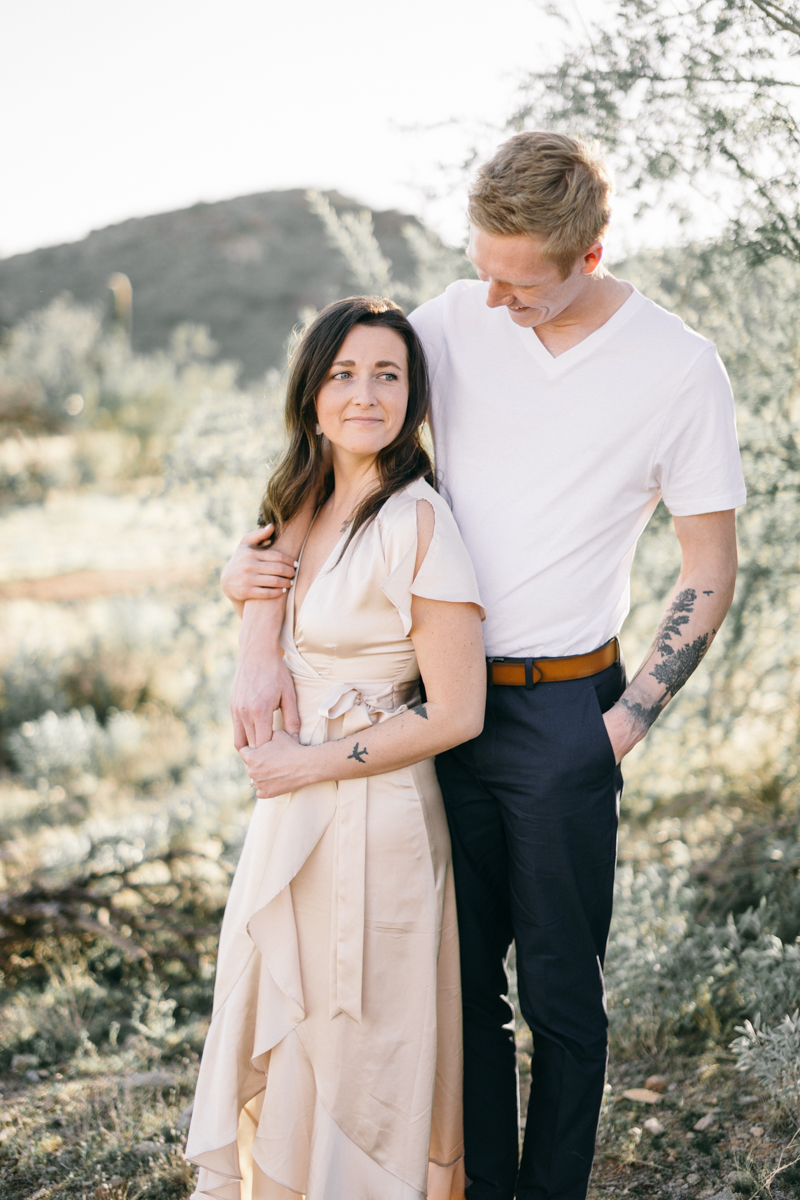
525,672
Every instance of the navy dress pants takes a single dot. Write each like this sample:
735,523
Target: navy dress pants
533,810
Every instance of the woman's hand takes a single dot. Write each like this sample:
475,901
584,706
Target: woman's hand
255,571
281,765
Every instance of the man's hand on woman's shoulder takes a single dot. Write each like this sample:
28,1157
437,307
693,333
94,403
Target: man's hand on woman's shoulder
256,571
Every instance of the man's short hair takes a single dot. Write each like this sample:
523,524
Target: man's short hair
549,186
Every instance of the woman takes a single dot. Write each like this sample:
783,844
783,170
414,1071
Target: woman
332,1068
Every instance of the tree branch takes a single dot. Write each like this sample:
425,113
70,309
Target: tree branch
777,14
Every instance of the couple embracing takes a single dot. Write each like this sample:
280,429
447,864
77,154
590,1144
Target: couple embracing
440,656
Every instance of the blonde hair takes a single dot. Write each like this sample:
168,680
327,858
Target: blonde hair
546,185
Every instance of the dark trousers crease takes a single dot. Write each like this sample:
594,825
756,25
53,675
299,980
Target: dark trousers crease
533,810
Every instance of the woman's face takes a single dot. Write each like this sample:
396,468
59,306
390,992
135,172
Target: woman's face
361,406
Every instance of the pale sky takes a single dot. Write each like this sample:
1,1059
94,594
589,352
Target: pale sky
115,110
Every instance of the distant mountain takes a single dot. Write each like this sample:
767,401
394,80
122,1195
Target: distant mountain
242,267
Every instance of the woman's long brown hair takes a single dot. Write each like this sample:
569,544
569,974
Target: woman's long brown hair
302,470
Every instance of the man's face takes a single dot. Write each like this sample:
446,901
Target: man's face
520,280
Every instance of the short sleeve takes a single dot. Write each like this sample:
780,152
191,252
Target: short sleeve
446,572
428,322
698,466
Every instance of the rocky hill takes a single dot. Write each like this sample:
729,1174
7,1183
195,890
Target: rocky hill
242,267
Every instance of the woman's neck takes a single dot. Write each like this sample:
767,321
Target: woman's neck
353,479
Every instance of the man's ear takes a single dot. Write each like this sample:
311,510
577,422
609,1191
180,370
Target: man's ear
592,258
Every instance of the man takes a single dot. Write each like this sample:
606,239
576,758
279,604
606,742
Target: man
564,405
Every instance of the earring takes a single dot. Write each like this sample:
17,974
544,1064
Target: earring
319,429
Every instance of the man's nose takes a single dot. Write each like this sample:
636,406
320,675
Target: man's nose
499,294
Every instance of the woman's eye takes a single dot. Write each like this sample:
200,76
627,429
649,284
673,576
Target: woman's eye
341,375
387,375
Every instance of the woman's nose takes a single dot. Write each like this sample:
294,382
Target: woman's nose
364,395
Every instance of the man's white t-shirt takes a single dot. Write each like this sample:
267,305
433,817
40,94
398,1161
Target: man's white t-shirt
553,466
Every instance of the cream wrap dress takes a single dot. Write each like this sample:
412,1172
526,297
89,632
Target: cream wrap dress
332,1068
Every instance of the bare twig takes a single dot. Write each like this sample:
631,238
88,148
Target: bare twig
779,15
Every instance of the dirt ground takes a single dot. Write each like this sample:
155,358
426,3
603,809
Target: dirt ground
115,1128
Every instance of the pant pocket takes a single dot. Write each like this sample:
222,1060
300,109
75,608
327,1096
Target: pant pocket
606,757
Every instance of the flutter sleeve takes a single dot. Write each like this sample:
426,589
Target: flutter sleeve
446,572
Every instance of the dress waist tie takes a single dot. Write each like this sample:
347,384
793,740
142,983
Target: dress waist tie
360,712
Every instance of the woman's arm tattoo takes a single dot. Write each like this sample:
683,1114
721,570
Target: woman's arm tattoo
358,753
421,711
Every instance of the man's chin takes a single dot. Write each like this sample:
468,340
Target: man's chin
527,318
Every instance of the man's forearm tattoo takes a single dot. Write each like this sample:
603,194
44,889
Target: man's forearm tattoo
674,671
677,662
676,616
358,753
642,715
421,711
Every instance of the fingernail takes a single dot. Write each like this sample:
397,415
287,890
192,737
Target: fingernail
297,562
285,589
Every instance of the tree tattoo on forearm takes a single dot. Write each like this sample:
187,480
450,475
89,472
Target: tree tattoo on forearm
421,711
358,753
677,662
676,616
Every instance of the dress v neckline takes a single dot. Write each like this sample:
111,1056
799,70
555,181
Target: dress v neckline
553,366
295,610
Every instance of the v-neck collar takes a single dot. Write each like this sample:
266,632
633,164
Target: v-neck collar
295,611
563,362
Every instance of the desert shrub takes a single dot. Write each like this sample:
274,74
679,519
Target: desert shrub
353,235
77,999
32,683
109,676
676,971
133,747
772,1056
759,869
62,370
55,1024
122,956
56,746
48,357
651,916
221,455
